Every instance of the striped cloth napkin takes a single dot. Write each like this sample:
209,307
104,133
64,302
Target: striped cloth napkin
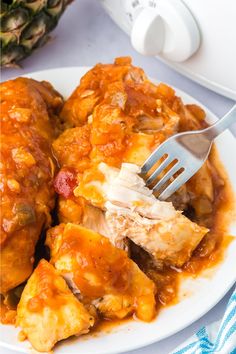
217,338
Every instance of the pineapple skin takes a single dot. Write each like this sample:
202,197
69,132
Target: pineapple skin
25,25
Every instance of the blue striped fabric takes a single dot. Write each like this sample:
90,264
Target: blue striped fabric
219,337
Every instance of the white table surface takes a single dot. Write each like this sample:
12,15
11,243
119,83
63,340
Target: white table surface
85,36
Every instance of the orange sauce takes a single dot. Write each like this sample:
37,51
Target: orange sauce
7,315
212,248
109,138
208,254
168,280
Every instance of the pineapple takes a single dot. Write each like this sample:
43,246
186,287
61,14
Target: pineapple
25,25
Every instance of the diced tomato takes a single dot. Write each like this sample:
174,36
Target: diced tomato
65,182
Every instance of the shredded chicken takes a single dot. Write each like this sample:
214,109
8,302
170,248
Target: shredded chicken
133,212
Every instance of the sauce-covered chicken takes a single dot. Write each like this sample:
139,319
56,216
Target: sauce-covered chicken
28,127
100,273
132,212
117,250
116,115
48,311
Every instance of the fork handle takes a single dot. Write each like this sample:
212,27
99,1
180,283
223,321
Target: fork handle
221,125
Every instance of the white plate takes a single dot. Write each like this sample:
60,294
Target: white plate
202,293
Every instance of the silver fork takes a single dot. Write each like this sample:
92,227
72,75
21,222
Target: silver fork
184,153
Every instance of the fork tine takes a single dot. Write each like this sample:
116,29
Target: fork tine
153,158
175,185
158,170
166,177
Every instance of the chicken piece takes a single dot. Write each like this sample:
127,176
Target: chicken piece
103,183
94,219
101,81
72,147
116,103
201,190
28,126
133,212
48,311
70,210
102,274
117,115
170,241
198,193
139,148
120,85
192,117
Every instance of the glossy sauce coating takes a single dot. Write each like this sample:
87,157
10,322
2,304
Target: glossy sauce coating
48,311
125,117
28,127
104,275
117,115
